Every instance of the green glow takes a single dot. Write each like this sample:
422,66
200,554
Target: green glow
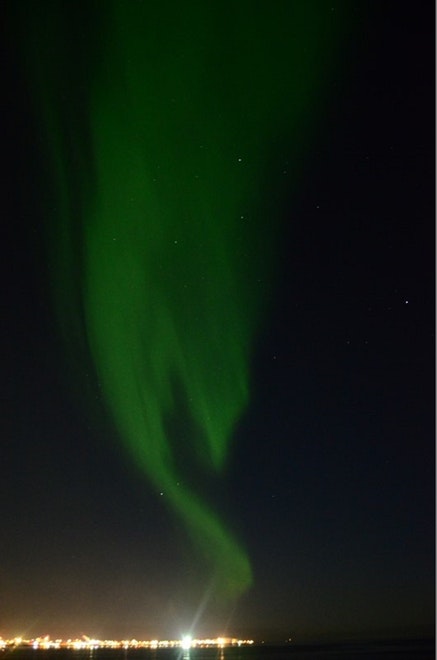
158,149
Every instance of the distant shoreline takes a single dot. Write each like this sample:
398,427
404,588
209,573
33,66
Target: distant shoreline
417,647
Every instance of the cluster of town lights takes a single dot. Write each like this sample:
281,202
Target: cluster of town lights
86,643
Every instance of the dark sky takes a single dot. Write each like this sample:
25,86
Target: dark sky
331,482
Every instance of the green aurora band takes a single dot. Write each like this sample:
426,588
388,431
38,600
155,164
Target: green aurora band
159,118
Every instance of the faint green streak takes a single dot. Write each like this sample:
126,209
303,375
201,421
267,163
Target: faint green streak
158,155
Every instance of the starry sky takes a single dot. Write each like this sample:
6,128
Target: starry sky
301,504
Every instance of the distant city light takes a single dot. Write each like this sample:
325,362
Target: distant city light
87,643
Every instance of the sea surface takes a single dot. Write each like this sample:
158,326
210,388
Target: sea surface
393,650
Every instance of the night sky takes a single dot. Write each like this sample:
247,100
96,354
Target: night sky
282,358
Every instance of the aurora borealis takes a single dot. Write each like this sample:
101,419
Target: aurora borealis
158,163
217,374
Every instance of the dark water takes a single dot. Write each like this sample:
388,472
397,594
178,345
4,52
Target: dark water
401,650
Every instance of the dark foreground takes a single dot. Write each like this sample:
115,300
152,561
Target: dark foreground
394,650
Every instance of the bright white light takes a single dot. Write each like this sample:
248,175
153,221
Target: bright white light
186,642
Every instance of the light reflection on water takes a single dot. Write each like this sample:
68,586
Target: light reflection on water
196,654
421,650
193,654
204,654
